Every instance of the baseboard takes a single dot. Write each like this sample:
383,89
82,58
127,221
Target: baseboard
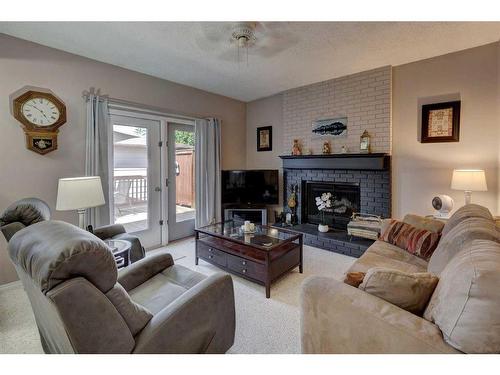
11,285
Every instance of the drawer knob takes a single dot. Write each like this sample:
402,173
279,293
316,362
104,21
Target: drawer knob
210,249
210,256
244,270
244,262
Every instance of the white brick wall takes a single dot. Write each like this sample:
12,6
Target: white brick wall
364,98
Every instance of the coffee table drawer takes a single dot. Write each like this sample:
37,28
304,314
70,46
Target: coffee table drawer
246,267
211,254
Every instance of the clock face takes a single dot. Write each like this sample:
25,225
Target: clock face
40,111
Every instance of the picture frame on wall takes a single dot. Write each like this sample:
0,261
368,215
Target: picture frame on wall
265,138
440,122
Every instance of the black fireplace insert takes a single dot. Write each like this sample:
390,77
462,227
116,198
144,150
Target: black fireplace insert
345,200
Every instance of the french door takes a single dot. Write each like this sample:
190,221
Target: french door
137,181
181,180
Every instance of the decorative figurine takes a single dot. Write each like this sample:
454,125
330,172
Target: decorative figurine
326,148
296,148
292,204
364,145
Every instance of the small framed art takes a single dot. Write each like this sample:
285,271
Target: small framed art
265,138
441,122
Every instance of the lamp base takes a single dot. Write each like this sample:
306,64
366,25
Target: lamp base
468,197
81,218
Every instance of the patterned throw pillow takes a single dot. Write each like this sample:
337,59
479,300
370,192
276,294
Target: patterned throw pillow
419,242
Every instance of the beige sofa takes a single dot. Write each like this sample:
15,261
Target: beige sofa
463,314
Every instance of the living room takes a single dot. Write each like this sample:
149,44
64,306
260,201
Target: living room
250,187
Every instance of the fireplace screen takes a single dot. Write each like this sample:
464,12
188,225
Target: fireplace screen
345,201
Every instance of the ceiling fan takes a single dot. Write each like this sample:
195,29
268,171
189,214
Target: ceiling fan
234,41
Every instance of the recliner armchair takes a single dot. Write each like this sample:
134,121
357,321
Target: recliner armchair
82,304
29,211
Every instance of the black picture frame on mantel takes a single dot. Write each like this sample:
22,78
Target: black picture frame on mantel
441,122
265,138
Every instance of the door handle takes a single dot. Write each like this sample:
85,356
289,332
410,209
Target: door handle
158,188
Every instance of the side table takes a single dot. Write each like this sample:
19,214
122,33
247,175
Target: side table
121,251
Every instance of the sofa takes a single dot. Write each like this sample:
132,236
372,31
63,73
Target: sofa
462,315
82,304
27,211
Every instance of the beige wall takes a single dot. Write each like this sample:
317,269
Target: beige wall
266,112
24,173
420,171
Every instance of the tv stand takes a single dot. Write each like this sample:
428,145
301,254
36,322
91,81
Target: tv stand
255,215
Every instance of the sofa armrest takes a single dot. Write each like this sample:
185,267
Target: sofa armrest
109,231
202,320
338,318
144,269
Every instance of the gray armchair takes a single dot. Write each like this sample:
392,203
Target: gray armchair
22,213
83,305
118,232
29,211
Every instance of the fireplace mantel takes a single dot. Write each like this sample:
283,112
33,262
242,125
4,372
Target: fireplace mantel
372,162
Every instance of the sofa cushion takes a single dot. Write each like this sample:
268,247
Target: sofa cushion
382,254
466,302
422,222
166,286
51,252
135,315
465,212
419,242
469,229
410,291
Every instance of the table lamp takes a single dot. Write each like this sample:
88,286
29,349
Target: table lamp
468,180
79,193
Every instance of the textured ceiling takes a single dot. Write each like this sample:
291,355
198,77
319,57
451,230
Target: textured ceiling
286,55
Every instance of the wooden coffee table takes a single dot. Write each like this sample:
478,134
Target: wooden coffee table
262,256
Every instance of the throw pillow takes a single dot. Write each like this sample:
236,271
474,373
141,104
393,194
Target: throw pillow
354,278
409,291
422,222
419,242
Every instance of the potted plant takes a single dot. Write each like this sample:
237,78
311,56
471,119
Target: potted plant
324,202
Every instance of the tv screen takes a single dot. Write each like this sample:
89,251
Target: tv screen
252,187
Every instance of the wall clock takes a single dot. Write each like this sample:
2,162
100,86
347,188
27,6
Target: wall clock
40,114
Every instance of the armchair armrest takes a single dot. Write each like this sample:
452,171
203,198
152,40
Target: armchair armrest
144,269
338,318
202,320
109,231
10,229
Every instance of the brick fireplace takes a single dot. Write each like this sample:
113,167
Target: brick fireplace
359,183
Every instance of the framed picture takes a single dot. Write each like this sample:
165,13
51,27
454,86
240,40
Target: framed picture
265,138
441,122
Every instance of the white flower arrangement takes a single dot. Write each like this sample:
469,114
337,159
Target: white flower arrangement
323,203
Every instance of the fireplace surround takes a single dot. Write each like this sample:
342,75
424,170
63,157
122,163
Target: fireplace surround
369,174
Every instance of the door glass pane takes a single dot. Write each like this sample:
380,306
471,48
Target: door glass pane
184,175
130,177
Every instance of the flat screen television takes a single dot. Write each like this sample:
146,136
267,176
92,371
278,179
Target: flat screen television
250,187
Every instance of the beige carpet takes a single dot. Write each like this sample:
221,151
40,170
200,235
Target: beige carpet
262,325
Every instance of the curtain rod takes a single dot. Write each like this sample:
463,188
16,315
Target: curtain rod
144,108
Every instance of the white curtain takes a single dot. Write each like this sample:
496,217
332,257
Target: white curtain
207,172
97,155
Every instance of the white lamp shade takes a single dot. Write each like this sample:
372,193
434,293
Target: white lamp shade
469,180
77,193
